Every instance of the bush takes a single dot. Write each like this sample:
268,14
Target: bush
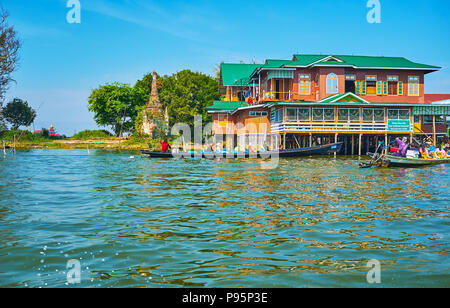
92,134
21,136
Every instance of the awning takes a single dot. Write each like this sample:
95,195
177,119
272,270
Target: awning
431,110
279,73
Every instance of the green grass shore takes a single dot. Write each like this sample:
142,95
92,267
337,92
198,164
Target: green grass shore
26,140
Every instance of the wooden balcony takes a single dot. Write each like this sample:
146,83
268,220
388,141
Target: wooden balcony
312,127
275,96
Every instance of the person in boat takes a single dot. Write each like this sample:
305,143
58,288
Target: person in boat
265,147
165,146
219,147
209,148
402,147
281,148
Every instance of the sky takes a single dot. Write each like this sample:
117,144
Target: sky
122,40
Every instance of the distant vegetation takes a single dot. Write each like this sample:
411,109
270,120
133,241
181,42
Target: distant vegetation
92,134
184,94
22,136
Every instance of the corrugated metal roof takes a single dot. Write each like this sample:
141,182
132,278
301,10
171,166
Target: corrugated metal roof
364,61
226,105
237,74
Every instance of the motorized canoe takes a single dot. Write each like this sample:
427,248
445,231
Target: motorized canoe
398,161
317,150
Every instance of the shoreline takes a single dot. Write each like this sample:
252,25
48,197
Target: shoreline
91,144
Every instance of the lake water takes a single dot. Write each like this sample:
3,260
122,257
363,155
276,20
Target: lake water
140,222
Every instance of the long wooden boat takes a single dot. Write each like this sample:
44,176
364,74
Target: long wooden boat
317,150
398,161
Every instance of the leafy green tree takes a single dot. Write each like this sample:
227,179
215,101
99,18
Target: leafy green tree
9,52
18,113
117,105
187,94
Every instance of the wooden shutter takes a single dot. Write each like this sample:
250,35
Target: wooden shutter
358,86
400,88
385,88
379,88
363,87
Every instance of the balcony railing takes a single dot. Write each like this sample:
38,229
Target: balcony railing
333,127
275,96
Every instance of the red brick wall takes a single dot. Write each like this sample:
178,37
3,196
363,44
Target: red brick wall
320,84
324,72
382,76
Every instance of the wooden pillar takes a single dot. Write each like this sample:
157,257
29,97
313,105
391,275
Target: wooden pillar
310,139
359,144
284,141
335,141
386,144
434,130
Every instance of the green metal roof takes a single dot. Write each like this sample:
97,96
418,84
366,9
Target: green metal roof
237,74
226,105
305,60
365,62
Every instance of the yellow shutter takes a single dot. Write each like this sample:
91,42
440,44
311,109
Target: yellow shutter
363,87
385,88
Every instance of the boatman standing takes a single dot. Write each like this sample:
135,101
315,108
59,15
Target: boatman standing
165,145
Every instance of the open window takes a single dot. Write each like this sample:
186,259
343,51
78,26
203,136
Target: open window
350,83
392,85
371,86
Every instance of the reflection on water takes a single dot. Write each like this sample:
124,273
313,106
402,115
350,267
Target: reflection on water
139,222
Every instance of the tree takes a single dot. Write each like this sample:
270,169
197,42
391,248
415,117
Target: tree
117,105
187,94
9,52
18,113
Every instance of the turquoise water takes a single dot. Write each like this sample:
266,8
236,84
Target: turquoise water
138,222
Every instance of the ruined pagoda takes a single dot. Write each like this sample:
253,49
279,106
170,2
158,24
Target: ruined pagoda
153,109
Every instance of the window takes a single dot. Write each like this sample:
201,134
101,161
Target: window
428,119
371,84
413,86
348,114
373,115
398,114
332,83
392,85
258,113
223,120
279,115
304,84
323,114
297,114
360,86
350,83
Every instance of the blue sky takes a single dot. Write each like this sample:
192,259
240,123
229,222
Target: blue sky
122,40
